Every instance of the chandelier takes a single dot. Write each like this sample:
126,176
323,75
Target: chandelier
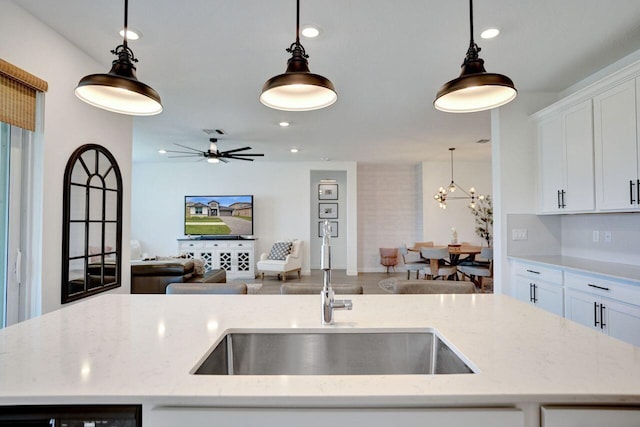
446,193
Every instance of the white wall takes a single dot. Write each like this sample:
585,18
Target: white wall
68,124
389,210
439,222
515,171
281,193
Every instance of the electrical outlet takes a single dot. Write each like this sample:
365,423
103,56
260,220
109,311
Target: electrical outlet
519,234
596,236
607,237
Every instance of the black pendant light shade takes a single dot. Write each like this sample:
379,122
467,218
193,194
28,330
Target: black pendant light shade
475,89
120,90
298,89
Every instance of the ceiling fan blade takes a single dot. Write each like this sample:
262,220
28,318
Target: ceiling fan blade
240,158
246,154
184,152
184,155
223,160
188,148
235,150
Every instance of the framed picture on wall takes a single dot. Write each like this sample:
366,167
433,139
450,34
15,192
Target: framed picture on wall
327,210
334,228
328,191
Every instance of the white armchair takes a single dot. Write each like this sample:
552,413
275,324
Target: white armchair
290,262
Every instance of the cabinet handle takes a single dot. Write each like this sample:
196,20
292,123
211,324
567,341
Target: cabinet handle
631,184
602,324
638,191
530,292
563,204
532,271
595,314
535,300
598,287
558,199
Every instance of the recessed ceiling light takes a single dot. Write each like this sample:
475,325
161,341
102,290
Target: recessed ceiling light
490,33
294,150
162,151
131,34
324,159
284,124
310,31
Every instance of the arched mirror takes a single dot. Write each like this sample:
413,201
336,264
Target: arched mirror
92,223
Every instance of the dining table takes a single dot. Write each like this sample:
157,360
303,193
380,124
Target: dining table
455,252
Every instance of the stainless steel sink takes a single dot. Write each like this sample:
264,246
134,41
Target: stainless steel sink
332,353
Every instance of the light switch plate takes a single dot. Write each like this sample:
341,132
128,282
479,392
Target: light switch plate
519,234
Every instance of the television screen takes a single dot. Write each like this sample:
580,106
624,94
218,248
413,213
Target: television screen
218,215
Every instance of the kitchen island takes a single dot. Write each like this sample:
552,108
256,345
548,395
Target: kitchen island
141,349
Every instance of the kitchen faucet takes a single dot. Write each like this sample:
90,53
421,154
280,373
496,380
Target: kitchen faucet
328,302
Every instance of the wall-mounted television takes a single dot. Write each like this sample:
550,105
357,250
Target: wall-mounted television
218,216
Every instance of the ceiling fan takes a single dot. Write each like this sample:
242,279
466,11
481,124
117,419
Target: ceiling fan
213,155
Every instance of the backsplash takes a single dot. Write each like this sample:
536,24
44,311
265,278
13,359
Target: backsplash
624,244
618,236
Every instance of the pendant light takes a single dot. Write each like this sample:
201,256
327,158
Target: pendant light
475,89
119,90
298,89
446,193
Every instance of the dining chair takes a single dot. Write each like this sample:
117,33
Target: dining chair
389,258
437,264
479,270
412,261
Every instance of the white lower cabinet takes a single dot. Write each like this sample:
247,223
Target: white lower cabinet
236,257
286,417
540,286
590,416
605,305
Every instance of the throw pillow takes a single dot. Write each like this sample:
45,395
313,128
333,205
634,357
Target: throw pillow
280,250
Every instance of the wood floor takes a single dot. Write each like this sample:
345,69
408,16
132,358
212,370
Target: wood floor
368,281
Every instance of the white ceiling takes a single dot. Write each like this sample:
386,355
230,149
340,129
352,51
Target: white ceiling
208,59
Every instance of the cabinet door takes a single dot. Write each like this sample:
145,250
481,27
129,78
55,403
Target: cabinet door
549,297
580,307
590,417
622,321
578,139
616,151
524,290
551,164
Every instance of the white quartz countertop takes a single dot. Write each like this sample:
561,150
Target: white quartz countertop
142,347
625,272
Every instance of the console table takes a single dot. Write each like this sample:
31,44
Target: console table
236,257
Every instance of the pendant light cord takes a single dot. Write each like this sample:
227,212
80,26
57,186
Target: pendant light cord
451,150
471,20
298,21
126,21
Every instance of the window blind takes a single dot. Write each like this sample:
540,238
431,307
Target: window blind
18,95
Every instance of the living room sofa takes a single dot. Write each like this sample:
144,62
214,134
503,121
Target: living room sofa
152,277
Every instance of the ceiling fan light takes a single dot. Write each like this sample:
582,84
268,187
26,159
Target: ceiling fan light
213,160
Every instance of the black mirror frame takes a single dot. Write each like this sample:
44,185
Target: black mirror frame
66,225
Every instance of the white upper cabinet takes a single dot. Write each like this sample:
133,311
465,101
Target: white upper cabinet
616,144
566,160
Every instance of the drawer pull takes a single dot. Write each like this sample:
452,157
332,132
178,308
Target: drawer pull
597,287
602,324
534,272
595,314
